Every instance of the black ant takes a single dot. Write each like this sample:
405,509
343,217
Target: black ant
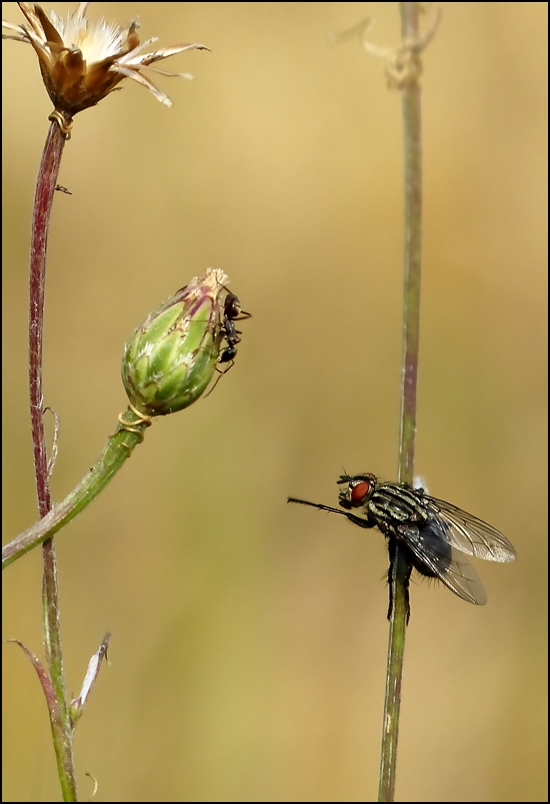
232,312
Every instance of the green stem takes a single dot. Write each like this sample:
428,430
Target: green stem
118,449
410,94
62,732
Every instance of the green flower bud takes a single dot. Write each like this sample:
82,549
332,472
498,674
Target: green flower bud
171,358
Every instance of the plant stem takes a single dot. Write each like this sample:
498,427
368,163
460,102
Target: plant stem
410,95
118,449
45,189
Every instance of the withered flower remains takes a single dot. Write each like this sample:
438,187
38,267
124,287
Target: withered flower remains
82,61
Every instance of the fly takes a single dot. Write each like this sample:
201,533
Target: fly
432,533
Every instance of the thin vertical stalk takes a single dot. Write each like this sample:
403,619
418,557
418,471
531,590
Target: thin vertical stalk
45,189
410,94
43,199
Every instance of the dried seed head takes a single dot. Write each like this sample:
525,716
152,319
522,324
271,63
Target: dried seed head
82,61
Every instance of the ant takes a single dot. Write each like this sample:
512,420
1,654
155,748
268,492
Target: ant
232,312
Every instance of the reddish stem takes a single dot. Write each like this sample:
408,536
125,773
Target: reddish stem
43,200
45,189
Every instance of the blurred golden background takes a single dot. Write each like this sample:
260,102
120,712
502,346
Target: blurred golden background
249,637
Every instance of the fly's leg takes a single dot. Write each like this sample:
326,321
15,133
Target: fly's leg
363,522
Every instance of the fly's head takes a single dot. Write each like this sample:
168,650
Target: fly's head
357,491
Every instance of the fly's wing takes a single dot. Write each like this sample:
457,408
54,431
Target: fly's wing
443,562
469,534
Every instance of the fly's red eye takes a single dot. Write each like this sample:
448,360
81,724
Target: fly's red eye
359,492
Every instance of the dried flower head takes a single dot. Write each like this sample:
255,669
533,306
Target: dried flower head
82,61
